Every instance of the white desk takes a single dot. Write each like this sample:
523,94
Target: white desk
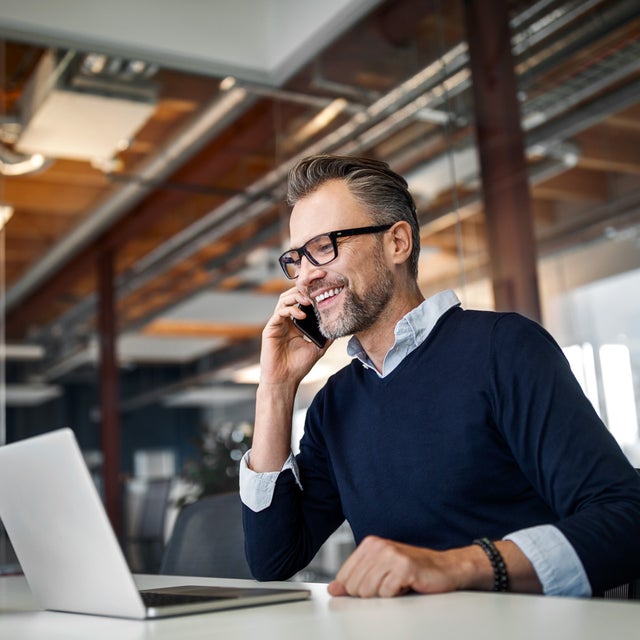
462,615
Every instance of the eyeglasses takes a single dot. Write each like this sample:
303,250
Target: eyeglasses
321,250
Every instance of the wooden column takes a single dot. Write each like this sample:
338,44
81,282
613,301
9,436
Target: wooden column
507,203
109,395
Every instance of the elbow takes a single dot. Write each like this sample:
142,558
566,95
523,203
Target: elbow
272,562
265,569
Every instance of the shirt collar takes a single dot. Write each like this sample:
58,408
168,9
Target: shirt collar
410,331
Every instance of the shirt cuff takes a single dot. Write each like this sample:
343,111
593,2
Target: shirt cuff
555,561
256,489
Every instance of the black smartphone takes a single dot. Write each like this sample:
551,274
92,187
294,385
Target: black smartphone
309,326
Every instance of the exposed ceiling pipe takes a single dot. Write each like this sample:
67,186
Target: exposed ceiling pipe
531,40
19,164
535,24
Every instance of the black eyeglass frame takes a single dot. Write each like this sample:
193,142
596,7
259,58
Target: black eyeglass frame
333,237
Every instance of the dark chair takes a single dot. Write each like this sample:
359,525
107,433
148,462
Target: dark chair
208,540
145,545
628,591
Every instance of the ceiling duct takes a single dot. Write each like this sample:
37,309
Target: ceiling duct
84,107
19,164
13,163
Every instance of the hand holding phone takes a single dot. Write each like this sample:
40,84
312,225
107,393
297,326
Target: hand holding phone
309,326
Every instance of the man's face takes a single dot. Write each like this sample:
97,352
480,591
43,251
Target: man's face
350,292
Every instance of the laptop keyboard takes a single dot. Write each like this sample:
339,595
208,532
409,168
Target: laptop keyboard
157,599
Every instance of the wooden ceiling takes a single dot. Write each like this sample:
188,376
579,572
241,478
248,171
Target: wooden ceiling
178,221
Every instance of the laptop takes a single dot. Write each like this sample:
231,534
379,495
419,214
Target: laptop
68,551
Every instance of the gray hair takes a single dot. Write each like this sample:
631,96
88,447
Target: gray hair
380,190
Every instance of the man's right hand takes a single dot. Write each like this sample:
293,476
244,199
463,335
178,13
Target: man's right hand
286,355
285,359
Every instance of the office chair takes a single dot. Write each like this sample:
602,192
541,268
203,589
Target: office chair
145,545
208,540
628,591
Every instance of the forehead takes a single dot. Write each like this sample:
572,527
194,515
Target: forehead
329,208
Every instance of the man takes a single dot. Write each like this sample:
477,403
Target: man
457,444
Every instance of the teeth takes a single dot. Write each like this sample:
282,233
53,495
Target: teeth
328,294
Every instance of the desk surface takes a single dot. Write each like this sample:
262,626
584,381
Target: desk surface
461,615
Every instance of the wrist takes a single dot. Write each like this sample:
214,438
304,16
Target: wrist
498,565
476,572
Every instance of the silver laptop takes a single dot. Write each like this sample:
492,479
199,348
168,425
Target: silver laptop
68,552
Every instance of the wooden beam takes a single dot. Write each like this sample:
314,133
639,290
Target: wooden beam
194,329
52,197
502,161
628,118
109,395
576,185
610,150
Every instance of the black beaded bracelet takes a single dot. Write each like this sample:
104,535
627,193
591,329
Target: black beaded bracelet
500,575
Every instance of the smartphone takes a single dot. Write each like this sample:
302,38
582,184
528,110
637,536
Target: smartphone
309,326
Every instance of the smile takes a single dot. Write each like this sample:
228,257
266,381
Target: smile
328,294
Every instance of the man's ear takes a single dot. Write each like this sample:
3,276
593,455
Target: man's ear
400,242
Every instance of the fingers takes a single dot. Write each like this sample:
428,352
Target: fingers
373,569
285,310
385,568
337,589
289,301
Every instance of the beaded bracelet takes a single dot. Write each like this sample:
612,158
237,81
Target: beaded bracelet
500,576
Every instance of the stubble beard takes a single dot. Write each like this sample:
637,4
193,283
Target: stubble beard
360,312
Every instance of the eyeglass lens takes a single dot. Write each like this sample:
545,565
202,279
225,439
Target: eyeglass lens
319,250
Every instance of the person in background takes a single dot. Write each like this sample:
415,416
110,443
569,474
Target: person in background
457,443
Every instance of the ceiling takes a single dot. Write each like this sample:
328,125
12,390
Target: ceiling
191,212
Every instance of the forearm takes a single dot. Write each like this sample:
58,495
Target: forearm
271,444
478,572
470,568
380,567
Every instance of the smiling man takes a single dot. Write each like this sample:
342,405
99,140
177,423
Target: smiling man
457,443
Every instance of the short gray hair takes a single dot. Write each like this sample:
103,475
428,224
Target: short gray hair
383,192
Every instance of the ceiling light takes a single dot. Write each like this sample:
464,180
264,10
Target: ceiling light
94,63
75,113
227,83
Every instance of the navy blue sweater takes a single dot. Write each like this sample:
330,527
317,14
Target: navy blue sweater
481,431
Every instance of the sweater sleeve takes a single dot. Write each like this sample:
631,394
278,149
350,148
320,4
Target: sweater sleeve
566,451
256,489
305,509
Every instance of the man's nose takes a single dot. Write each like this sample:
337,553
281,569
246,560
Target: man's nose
308,271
